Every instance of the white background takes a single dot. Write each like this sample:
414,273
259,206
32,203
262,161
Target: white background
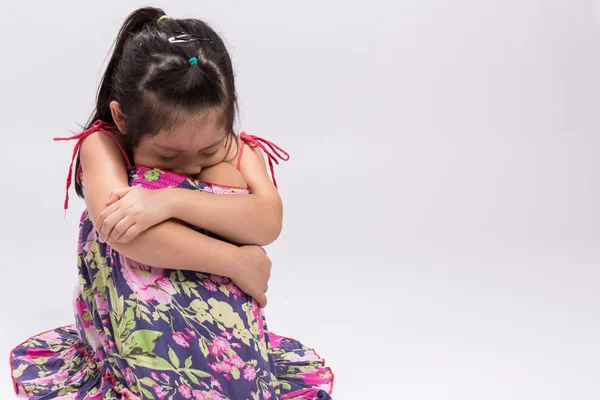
441,235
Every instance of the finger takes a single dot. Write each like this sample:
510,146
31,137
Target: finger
261,300
120,193
111,200
109,223
117,194
130,234
105,214
120,228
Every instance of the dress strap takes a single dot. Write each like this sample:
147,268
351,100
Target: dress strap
98,126
273,152
239,156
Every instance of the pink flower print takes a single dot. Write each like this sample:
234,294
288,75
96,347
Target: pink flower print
256,312
84,316
293,357
185,391
236,345
214,395
89,241
249,373
101,304
228,335
275,340
166,377
147,282
190,332
94,339
154,376
61,376
128,374
159,392
236,361
181,339
234,290
221,366
51,336
34,353
266,395
207,189
219,346
219,280
314,377
106,342
198,395
97,396
50,379
215,383
210,285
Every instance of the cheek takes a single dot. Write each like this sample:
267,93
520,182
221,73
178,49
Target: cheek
140,158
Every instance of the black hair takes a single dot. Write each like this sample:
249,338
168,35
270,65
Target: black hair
154,81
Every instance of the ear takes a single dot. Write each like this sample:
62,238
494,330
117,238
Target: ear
118,117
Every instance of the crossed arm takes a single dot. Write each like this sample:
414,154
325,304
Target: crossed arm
251,219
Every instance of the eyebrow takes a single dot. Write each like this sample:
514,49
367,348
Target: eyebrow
176,150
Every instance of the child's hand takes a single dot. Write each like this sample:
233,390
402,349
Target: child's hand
253,273
129,212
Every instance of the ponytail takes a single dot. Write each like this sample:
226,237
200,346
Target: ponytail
135,23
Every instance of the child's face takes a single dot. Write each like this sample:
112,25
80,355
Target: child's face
187,148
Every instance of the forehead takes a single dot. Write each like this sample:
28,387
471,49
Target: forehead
193,133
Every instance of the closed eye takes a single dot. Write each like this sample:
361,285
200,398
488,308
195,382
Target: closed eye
207,154
166,158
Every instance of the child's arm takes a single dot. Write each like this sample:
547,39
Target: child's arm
168,244
251,219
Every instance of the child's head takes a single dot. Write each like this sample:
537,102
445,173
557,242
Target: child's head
169,88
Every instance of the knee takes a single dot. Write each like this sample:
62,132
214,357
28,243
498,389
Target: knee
222,174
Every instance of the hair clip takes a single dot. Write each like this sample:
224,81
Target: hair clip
162,18
188,37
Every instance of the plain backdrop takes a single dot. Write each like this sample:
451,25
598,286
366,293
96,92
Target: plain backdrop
441,235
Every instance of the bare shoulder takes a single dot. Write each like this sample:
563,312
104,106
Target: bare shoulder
240,152
99,142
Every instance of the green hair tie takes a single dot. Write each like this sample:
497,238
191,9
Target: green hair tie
193,61
162,18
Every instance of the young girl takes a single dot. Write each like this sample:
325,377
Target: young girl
181,329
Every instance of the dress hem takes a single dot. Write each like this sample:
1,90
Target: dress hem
20,389
16,384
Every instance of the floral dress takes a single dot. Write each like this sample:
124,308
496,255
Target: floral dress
148,333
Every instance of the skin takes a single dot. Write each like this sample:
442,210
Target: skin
196,149
188,149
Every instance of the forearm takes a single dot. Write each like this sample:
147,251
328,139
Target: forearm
171,245
243,219
167,245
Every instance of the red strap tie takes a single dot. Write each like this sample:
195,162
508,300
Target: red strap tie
275,154
96,126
